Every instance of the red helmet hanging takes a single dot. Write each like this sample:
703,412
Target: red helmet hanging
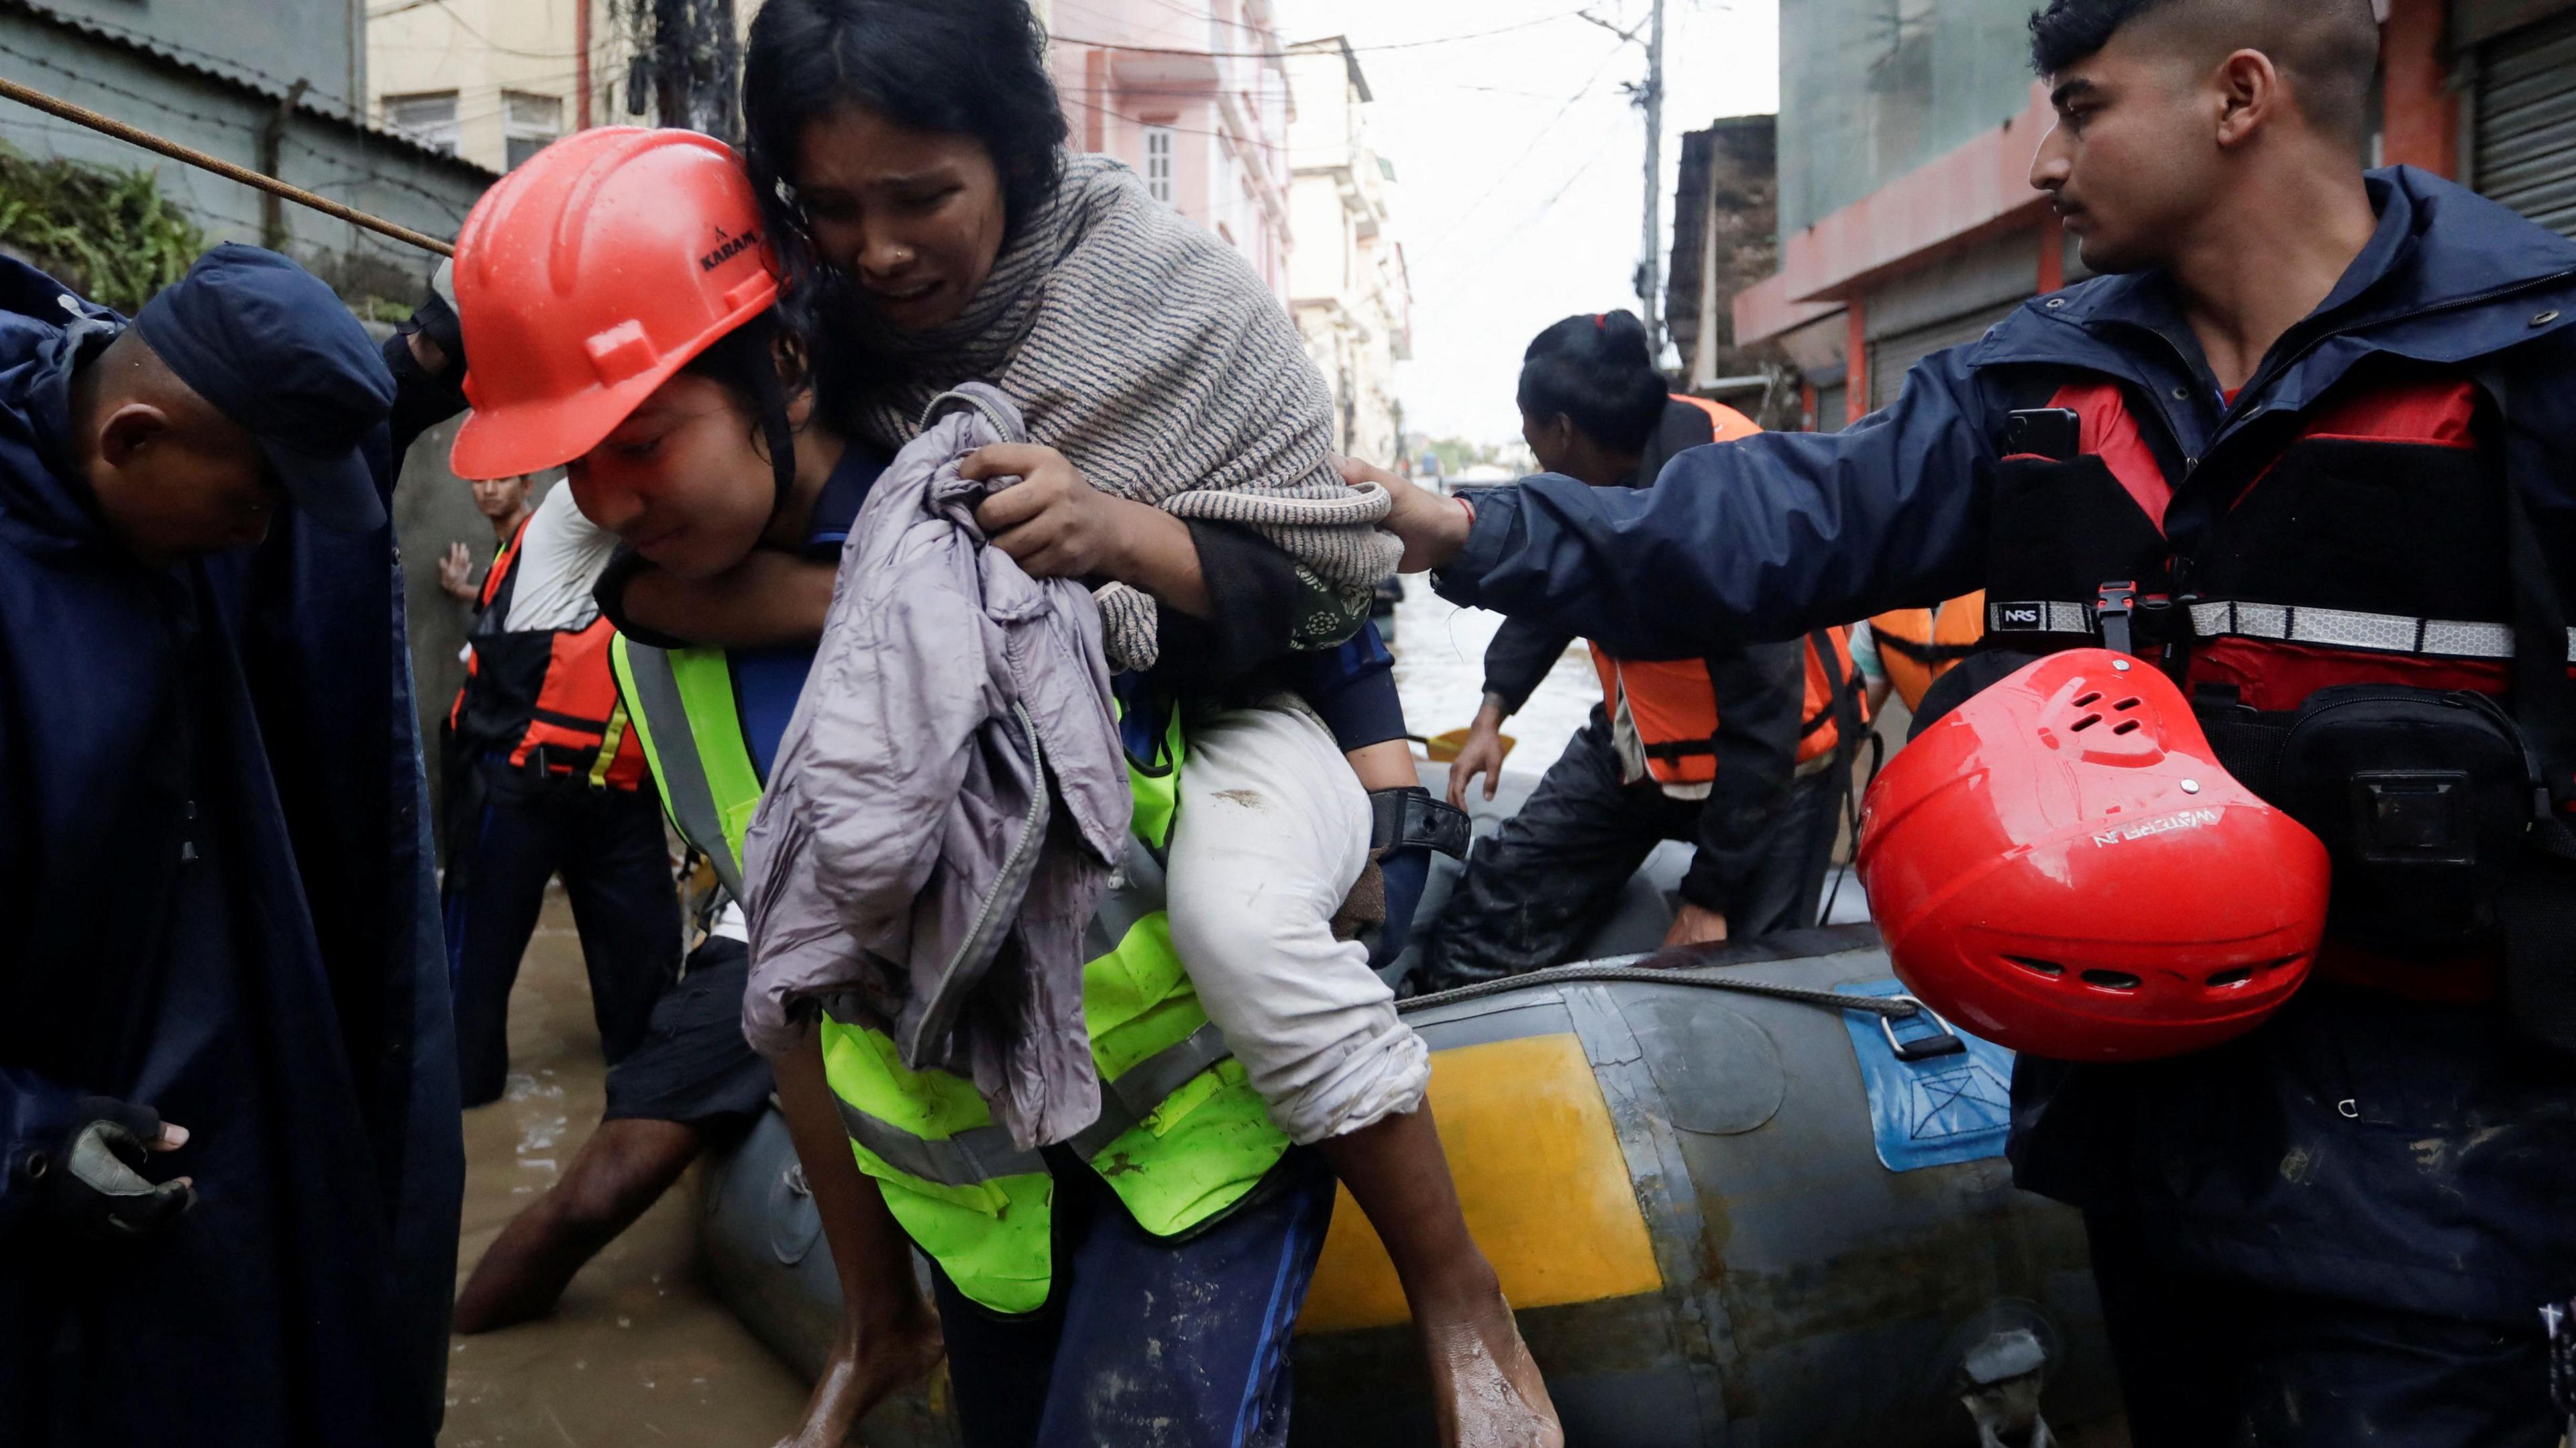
2059,865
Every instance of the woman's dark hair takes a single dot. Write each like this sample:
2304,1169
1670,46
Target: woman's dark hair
761,365
1597,371
964,67
736,361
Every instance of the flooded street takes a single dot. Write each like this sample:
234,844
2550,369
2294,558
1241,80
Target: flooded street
639,1353
1440,671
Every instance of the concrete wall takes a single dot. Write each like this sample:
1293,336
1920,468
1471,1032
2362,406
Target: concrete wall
319,151
1871,89
270,43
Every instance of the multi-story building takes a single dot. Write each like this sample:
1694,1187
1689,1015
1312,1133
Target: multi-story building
1346,278
495,80
1726,238
1194,95
1907,220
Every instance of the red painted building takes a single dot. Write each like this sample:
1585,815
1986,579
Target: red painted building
2481,91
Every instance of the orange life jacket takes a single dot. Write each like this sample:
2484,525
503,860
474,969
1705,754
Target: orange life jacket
1919,645
546,698
1728,423
1674,706
1833,684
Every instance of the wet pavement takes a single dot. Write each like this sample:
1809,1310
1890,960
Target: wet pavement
1440,671
639,1353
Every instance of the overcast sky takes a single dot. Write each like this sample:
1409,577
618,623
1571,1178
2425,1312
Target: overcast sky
1515,207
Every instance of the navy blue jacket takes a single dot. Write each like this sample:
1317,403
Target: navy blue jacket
2357,1146
216,877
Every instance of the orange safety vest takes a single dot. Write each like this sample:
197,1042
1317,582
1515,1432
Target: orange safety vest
1673,705
545,697
1832,680
1728,423
1919,645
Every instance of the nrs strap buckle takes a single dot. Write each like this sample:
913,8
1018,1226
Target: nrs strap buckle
2131,622
1401,819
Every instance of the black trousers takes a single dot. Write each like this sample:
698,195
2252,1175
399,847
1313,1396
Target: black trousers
2210,1362
607,844
1537,887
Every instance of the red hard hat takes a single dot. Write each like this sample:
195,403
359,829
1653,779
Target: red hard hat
589,275
2059,865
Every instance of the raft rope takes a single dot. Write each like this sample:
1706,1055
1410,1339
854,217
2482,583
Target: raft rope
1896,1008
109,125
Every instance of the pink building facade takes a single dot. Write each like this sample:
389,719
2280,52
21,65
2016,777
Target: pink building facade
1194,95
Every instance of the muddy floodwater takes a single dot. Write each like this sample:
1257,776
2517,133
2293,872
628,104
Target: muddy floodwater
640,1353
1440,671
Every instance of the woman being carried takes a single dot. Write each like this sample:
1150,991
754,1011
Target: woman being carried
930,169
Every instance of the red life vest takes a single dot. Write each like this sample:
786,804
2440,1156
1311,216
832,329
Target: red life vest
545,698
2363,545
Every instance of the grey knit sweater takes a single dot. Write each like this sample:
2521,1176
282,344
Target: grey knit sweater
1145,350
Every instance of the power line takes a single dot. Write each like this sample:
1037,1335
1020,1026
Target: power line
202,118
1359,49
1511,172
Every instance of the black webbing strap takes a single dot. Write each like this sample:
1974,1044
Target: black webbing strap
1930,656
762,332
1680,749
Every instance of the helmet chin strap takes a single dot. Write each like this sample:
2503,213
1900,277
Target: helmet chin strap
781,437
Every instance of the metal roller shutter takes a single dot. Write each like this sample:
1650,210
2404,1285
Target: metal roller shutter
2525,133
1891,357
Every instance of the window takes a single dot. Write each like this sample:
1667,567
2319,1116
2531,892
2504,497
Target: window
529,123
1158,162
429,118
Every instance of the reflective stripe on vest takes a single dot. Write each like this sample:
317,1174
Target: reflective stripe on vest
710,794
1182,1136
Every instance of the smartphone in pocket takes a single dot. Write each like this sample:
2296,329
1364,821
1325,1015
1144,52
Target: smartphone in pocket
2055,433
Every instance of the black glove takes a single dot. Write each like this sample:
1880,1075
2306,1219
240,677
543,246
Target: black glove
94,1183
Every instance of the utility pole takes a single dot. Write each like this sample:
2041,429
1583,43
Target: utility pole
696,59
1649,97
1650,287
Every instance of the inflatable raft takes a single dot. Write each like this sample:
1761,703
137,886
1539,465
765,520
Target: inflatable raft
1732,1199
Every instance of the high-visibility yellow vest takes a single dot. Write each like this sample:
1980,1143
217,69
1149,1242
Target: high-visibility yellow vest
1182,1136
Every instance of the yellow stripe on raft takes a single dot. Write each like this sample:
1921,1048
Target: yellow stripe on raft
1540,1175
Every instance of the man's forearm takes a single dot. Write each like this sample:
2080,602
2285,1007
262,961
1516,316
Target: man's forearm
768,600
1160,557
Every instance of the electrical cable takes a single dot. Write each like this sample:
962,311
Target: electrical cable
1357,49
1511,172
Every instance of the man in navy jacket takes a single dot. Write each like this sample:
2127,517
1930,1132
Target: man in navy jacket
229,1150
2323,424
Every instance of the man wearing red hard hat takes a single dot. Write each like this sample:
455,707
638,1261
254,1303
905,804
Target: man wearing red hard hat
2300,454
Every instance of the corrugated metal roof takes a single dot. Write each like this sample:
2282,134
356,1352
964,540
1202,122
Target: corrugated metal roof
239,75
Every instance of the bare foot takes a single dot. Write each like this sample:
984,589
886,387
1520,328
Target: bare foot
864,1372
1485,1387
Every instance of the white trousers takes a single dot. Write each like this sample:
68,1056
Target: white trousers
1271,834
